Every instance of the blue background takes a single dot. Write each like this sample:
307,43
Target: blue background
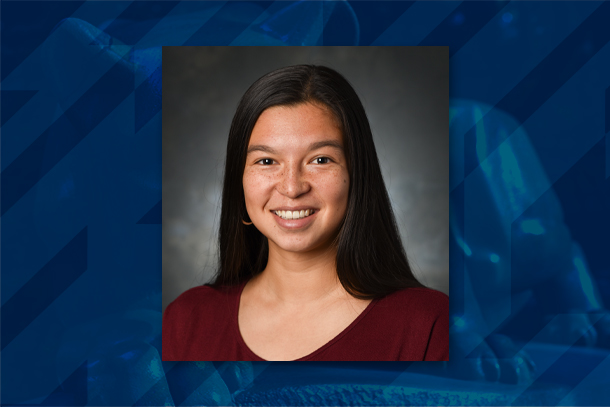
81,197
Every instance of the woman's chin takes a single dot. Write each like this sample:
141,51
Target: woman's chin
300,246
294,248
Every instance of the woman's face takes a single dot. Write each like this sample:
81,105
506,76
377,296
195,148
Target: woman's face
296,181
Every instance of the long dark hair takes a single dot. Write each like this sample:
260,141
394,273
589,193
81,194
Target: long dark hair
371,261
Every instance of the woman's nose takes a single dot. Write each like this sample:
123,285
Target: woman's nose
293,183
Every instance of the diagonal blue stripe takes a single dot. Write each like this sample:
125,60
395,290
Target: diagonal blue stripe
29,25
72,391
44,287
152,217
607,110
361,21
158,394
374,17
148,99
62,136
228,23
559,66
416,23
463,24
547,77
607,155
569,369
147,13
179,24
13,100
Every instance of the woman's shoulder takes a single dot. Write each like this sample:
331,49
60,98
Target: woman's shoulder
421,293
418,301
201,315
411,324
205,298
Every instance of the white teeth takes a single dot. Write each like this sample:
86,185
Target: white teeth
294,214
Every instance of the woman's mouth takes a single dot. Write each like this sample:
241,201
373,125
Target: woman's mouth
294,215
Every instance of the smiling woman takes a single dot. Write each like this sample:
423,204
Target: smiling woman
311,262
296,163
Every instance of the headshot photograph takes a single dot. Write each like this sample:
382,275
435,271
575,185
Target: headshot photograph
305,203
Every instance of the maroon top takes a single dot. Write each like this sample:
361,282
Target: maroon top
411,324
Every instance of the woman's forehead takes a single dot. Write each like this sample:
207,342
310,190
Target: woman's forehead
295,126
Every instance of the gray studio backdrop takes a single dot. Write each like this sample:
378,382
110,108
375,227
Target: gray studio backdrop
405,91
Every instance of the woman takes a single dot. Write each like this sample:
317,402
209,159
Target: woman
311,262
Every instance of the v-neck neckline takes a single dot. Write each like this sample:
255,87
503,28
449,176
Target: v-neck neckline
309,356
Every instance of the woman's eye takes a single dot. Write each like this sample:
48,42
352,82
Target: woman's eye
266,161
322,160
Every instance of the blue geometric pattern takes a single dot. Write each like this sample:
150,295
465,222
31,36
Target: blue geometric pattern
81,202
13,101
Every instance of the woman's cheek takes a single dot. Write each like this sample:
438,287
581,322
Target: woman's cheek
336,189
255,186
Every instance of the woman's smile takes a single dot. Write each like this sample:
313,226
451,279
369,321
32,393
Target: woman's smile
296,180
294,219
294,214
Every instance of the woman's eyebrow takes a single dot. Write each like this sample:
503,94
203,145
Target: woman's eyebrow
261,147
325,143
312,146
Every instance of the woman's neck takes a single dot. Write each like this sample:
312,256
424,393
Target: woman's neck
300,278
